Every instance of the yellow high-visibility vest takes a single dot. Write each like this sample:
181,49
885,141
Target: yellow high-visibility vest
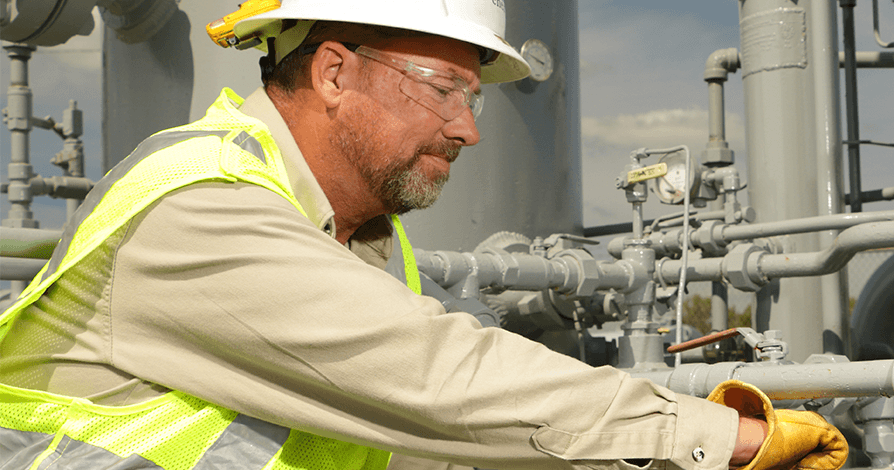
175,431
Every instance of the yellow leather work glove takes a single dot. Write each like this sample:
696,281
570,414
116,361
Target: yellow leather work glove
795,439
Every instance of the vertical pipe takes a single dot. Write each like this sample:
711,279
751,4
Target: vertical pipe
718,154
638,228
719,306
716,119
18,120
19,123
850,87
823,50
73,149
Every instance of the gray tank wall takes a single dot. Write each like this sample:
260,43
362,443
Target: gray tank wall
790,80
524,176
169,79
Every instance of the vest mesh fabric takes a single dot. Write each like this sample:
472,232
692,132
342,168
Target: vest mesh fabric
176,429
309,451
173,430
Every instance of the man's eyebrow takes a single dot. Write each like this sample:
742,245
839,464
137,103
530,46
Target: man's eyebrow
476,89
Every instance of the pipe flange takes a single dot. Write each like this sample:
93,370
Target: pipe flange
741,267
705,237
588,271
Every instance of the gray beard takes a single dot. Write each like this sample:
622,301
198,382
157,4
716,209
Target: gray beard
401,186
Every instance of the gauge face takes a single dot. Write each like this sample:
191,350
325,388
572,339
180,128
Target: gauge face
671,187
537,54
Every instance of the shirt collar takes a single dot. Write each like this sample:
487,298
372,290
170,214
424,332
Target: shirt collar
305,187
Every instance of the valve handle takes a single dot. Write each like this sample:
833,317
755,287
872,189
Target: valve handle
704,340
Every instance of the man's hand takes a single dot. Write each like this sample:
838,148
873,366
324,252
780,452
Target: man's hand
795,439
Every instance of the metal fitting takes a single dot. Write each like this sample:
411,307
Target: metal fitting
720,63
741,267
715,155
709,237
587,268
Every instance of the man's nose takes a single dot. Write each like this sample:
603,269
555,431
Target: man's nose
462,129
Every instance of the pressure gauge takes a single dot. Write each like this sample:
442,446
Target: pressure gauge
671,187
537,54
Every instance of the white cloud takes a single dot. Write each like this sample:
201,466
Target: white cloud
608,141
658,128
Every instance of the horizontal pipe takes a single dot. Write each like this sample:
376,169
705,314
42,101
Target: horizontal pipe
870,60
28,242
807,224
515,271
783,381
884,194
849,242
19,269
760,266
62,187
570,271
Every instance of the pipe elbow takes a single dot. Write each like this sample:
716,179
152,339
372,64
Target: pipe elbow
720,63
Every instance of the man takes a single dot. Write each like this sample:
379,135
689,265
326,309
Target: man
219,301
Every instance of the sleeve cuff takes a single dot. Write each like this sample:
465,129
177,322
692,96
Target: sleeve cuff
705,435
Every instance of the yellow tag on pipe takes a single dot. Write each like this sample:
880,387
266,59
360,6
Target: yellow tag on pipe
652,171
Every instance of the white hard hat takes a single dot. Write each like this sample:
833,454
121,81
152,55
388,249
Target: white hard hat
478,22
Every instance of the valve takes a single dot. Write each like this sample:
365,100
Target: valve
768,346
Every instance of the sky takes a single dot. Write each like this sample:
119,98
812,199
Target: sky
641,78
641,66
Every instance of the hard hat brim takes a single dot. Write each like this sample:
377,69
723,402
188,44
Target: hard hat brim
509,65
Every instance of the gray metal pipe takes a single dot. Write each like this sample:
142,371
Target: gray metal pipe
822,47
783,382
875,30
19,269
716,118
851,106
18,120
870,59
717,68
808,224
571,271
849,242
28,242
64,187
670,241
751,270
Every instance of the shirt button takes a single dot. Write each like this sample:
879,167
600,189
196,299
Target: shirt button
698,454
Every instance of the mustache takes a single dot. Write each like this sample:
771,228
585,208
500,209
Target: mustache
447,150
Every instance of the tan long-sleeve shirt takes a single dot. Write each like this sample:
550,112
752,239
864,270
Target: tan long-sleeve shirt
227,292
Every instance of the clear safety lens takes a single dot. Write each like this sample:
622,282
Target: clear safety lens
446,95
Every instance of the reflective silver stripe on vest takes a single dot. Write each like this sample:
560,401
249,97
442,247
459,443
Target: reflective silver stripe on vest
250,145
18,449
22,448
147,147
71,454
246,443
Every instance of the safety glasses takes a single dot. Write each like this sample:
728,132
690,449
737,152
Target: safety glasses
445,94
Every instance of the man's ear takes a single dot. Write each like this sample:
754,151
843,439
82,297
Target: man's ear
333,69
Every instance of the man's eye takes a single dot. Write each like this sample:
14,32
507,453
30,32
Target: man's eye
441,89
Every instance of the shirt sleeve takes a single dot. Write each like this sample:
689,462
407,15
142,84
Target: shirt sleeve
226,292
